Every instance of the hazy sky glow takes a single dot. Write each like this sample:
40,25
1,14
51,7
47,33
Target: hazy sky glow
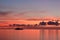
27,9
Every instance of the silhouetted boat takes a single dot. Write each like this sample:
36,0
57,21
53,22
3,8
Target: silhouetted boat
18,28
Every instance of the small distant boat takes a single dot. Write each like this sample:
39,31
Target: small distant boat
18,28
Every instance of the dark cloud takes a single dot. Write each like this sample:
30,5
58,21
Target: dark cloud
2,13
20,15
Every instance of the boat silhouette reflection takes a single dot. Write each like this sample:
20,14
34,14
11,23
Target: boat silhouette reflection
18,28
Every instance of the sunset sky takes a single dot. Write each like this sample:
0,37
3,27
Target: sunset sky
24,10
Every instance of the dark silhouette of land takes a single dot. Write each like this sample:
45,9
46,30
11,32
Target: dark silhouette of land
41,25
53,23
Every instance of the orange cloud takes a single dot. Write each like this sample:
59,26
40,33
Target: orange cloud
33,19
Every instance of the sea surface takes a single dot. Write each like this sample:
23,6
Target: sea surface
29,34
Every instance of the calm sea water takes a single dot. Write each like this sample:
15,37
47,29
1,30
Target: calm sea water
19,35
30,34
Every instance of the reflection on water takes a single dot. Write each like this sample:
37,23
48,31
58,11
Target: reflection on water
19,34
29,34
49,34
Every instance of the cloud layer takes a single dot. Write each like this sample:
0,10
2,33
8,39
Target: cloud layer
2,13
